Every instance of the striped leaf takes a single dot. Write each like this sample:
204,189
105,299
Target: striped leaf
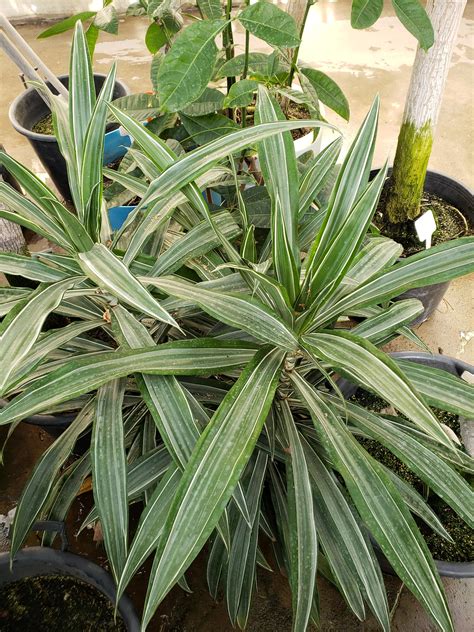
241,312
186,357
381,326
438,264
432,469
109,472
440,388
41,481
105,269
360,360
81,90
303,540
316,176
21,330
380,506
212,473
21,265
278,164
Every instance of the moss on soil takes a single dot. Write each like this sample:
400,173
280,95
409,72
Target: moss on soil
44,125
462,550
55,603
450,224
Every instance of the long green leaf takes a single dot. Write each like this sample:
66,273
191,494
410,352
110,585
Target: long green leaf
109,472
377,328
271,24
278,163
380,506
110,273
238,311
42,479
413,16
22,265
185,357
303,540
362,361
212,473
20,334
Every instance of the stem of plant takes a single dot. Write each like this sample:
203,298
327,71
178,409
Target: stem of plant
296,52
228,41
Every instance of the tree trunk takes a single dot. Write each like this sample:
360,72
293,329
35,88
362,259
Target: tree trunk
425,93
11,237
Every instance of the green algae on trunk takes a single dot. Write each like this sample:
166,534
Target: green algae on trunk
409,173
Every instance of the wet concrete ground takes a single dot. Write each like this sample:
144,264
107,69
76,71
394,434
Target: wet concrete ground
363,63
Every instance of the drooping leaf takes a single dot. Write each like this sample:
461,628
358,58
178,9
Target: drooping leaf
328,91
241,93
106,19
364,13
271,24
212,473
415,19
155,37
209,102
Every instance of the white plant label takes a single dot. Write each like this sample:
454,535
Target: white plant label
425,227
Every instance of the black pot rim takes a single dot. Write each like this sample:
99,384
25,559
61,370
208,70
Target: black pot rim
46,138
50,560
456,570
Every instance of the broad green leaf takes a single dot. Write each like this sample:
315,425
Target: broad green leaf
328,91
241,93
440,388
414,18
204,129
100,265
141,105
211,9
438,264
278,164
41,480
19,334
380,506
212,473
257,64
203,356
241,312
209,102
106,19
271,24
188,66
109,472
303,539
155,38
365,13
360,360
66,25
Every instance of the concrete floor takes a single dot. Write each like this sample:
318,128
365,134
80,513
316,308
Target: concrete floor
363,63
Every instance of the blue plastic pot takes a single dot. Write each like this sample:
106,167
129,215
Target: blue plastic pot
118,214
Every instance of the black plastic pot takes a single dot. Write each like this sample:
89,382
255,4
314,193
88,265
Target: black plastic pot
457,570
38,561
29,108
459,196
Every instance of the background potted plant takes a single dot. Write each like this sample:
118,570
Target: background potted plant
220,461
412,189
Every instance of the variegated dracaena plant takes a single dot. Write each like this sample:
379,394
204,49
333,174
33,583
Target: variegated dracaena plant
211,397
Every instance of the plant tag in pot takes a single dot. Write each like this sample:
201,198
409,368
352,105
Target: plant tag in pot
425,227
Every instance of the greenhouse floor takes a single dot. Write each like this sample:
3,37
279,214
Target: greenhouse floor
379,62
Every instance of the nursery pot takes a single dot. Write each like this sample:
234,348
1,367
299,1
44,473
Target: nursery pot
459,196
457,570
39,561
28,108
